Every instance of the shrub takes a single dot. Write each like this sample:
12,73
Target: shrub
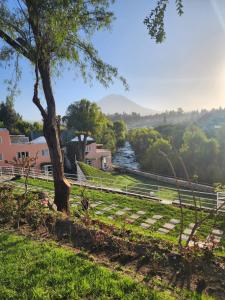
8,204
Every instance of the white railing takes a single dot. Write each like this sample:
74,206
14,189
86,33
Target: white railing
203,200
221,201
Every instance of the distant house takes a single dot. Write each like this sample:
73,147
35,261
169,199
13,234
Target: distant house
19,146
95,155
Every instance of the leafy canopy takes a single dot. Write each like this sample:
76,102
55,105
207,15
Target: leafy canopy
84,117
57,31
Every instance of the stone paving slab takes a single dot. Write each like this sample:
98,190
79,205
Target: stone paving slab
141,212
184,237
99,212
167,202
135,216
150,221
127,208
187,231
191,225
163,230
120,213
110,217
94,205
217,232
106,208
130,221
157,217
145,225
169,226
174,221
99,202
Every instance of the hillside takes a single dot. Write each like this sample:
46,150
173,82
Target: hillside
118,104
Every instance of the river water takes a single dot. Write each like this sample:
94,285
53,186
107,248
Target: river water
125,157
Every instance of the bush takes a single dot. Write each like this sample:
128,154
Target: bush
26,208
8,204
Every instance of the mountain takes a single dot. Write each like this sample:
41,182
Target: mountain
118,104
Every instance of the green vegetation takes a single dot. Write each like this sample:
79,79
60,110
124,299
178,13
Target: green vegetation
141,185
85,119
202,154
120,129
109,178
11,120
150,207
33,270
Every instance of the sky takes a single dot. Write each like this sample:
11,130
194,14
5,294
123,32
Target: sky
187,70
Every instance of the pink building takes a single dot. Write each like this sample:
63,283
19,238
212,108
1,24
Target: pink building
95,155
98,157
19,146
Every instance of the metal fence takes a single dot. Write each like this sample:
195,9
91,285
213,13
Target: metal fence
165,194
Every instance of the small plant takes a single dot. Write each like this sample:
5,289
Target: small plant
25,163
192,246
84,210
8,204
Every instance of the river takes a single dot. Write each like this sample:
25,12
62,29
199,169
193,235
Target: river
125,157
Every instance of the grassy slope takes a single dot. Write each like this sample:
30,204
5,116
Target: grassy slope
33,270
151,208
134,183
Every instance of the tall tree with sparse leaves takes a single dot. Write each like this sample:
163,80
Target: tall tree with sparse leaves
50,34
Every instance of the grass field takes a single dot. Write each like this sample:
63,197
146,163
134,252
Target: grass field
150,207
33,270
141,185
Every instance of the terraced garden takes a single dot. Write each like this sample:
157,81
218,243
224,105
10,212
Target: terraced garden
145,186
143,217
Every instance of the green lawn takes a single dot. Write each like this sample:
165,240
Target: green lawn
150,207
142,185
34,270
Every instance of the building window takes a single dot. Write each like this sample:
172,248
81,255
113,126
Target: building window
47,168
22,154
104,163
45,152
88,148
1,156
88,162
0,140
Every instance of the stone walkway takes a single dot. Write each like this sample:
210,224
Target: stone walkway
130,216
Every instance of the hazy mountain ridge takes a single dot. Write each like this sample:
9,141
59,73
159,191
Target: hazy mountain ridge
112,104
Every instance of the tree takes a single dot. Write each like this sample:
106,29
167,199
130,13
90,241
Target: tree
152,160
106,135
85,119
8,116
120,130
48,34
199,153
155,20
140,139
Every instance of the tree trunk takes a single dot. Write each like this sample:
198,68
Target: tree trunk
51,133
